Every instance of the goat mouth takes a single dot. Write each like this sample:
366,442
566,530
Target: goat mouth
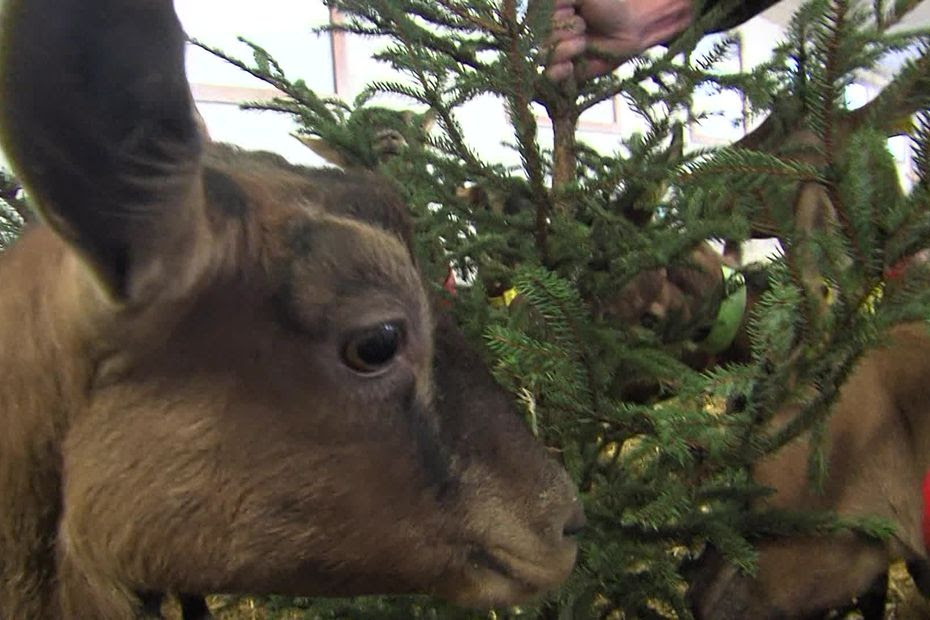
500,576
484,559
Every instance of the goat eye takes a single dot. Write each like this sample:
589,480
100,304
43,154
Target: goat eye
371,350
649,320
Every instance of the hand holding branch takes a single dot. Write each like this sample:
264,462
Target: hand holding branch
592,37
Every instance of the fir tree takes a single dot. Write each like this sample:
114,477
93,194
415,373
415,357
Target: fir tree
659,479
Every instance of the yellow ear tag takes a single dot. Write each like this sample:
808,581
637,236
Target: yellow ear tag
829,295
504,299
873,298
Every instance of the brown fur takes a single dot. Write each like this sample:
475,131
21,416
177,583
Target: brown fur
879,452
680,298
180,411
681,303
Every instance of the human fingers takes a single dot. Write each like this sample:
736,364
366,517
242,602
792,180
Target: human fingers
663,25
633,19
561,62
560,71
567,42
646,23
566,24
592,66
568,48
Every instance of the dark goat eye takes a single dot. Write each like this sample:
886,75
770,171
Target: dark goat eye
371,350
649,320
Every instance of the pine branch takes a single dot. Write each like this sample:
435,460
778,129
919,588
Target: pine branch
460,20
268,71
905,95
829,94
475,21
745,163
519,99
899,10
559,304
922,149
386,20
827,382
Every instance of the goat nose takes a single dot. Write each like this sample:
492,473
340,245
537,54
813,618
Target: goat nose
575,523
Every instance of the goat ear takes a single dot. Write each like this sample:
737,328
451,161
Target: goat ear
202,126
428,120
98,121
324,150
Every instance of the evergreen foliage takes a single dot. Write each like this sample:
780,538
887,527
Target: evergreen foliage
13,210
660,478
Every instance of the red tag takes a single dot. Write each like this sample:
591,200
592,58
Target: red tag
449,285
897,270
449,282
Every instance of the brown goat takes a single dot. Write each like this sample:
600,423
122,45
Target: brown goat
879,452
221,372
690,305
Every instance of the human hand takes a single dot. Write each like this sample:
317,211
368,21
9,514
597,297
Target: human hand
616,28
